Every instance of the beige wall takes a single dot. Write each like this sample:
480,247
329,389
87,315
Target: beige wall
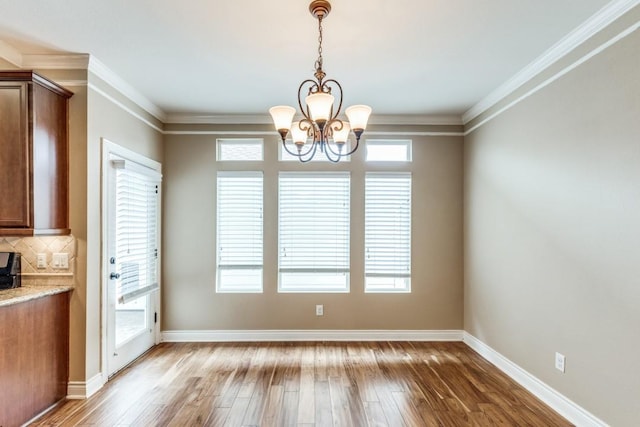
189,246
552,233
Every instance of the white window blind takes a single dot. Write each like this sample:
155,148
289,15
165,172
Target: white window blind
136,238
240,149
313,232
388,232
239,232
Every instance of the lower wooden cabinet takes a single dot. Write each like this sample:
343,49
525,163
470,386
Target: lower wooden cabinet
34,357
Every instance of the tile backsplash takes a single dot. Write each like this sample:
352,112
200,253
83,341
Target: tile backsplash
30,247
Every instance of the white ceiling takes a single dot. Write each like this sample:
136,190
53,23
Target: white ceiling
419,57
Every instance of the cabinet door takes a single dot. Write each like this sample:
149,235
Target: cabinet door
15,186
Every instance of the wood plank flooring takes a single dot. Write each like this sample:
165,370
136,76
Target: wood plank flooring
309,384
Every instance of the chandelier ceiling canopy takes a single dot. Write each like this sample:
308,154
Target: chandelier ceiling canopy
320,128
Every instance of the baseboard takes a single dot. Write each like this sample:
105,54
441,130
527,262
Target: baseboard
84,389
311,335
43,413
560,403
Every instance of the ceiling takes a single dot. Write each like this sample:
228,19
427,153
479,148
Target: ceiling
402,57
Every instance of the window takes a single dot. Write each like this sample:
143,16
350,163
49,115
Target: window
239,229
313,230
389,150
240,149
387,232
319,157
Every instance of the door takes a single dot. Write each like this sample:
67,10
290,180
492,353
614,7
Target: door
132,267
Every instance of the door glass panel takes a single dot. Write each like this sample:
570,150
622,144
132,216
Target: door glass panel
131,319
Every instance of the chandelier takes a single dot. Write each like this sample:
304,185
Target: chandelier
320,123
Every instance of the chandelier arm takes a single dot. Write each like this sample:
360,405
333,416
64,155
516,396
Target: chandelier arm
313,88
348,153
354,148
314,146
308,126
329,150
299,155
334,124
326,84
328,147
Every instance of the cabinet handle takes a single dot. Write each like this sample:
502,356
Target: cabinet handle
114,276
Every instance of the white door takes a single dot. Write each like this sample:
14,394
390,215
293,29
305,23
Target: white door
132,267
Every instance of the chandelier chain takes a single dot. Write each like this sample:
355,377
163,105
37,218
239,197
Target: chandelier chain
319,61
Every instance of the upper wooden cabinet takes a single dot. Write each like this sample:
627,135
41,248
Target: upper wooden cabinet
34,168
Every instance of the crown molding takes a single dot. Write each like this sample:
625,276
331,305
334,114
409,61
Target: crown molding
10,54
80,62
575,38
217,119
415,119
242,119
554,77
116,82
56,61
43,61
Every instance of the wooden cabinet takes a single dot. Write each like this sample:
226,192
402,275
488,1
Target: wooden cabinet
34,170
34,357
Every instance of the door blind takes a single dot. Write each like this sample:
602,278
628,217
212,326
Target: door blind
239,230
313,231
387,231
136,239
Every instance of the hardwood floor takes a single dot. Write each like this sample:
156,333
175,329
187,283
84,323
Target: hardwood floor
309,384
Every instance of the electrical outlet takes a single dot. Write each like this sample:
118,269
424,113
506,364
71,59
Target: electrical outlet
560,361
319,310
41,261
61,260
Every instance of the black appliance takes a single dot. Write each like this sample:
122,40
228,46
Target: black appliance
10,270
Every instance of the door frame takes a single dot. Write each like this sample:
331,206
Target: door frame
108,148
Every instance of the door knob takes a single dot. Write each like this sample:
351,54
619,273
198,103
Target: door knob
114,276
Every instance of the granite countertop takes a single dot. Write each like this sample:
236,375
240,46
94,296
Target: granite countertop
27,293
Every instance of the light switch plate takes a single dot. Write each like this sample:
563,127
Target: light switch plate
61,261
41,261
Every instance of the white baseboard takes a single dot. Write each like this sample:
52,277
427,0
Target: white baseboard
83,390
560,403
310,335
